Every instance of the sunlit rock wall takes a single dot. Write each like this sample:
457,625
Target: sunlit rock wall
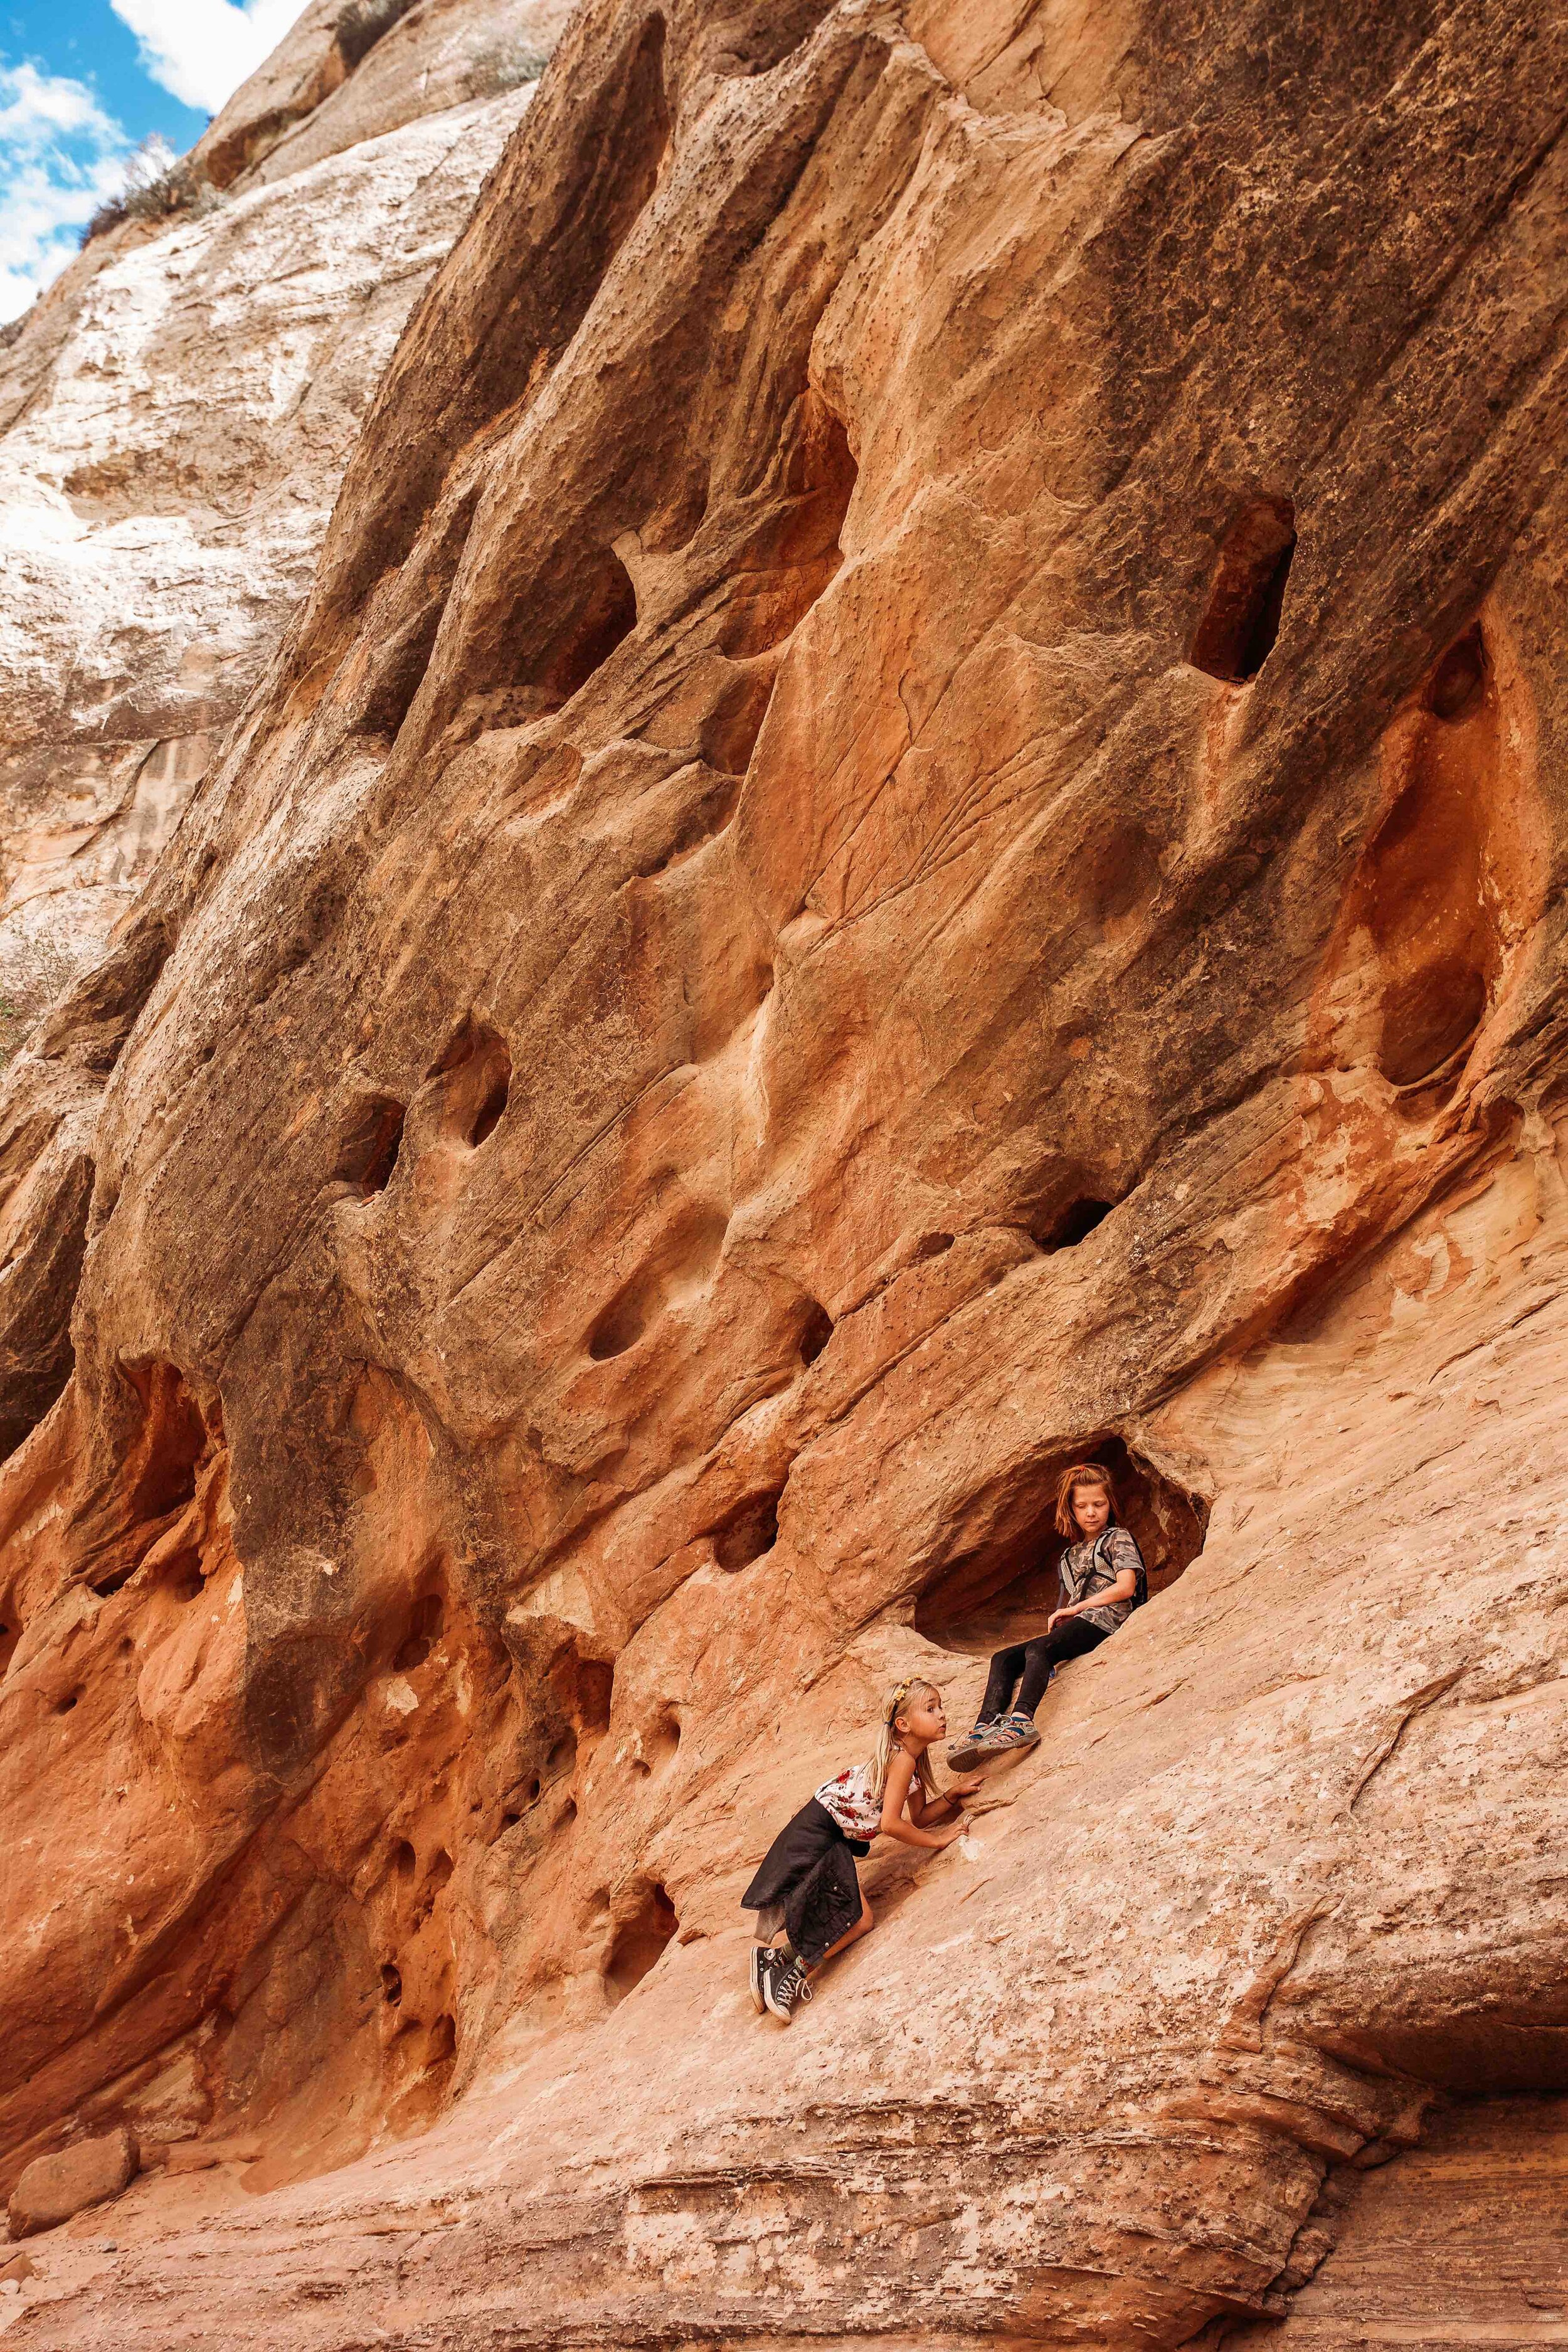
915,827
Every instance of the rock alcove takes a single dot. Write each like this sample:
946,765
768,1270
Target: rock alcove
1004,1590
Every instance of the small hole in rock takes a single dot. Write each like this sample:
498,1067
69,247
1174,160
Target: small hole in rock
1459,679
390,1983
404,1858
568,1814
1239,630
639,1940
424,1631
64,1705
439,1873
595,1686
509,1820
443,2043
535,1788
618,1329
1075,1223
368,1153
814,1333
930,1245
487,1118
748,1532
475,1076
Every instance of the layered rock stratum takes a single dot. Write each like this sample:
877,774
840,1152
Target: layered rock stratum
914,829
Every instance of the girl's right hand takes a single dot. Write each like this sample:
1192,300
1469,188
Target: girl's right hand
952,1831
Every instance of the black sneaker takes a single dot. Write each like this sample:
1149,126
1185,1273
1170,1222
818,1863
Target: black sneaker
965,1752
785,1990
765,1959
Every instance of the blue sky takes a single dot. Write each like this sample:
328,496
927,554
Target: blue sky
83,85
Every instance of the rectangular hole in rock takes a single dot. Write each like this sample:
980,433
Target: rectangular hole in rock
1241,622
750,1531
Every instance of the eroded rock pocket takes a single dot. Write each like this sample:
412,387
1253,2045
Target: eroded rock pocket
1241,621
1004,1590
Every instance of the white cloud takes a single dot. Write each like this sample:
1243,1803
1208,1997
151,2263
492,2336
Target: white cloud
203,50
60,156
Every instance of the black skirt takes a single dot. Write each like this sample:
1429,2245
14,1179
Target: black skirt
809,1872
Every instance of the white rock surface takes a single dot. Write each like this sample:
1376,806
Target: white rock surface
177,414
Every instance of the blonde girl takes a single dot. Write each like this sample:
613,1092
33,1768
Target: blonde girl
806,1884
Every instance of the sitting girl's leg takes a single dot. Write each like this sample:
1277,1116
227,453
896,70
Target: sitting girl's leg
1006,1668
1073,1640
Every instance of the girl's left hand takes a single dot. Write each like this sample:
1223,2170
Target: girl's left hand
970,1788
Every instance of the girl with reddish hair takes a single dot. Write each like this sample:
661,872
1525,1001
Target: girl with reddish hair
1102,1581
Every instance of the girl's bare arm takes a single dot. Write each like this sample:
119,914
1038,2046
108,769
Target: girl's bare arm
1125,1586
900,1772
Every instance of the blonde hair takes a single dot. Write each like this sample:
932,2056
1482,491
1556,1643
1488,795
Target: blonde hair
1082,1473
893,1707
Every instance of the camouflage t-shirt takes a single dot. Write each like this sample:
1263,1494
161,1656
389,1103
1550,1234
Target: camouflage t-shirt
1089,1567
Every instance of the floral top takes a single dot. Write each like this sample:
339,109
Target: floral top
1087,1568
849,1800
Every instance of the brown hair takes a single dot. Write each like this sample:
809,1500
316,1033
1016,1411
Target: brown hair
1082,1473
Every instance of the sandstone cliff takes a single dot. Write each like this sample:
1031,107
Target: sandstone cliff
174,418
915,826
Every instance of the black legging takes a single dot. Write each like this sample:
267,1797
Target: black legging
1033,1660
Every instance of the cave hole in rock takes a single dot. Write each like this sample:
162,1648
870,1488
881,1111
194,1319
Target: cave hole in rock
1239,627
795,554
1004,1588
930,1245
367,1155
588,608
158,1481
390,1983
425,1620
171,1442
749,1532
474,1077
186,1581
816,1331
596,1681
10,1641
1460,680
639,1940
659,1742
404,1859
677,1267
1073,1224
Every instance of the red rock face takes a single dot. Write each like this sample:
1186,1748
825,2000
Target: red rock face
813,924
